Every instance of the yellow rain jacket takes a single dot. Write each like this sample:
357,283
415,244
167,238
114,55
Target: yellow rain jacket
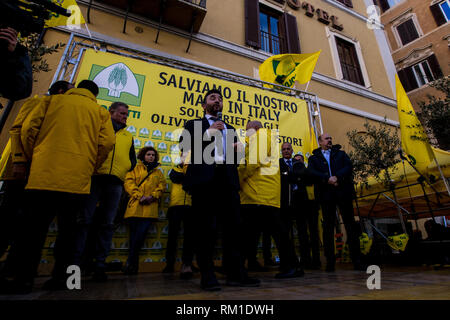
16,154
118,162
179,197
154,185
260,174
66,137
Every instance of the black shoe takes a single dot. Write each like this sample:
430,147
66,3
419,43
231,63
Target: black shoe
315,265
186,272
168,269
330,267
54,284
291,273
246,282
99,275
256,267
14,287
130,270
210,285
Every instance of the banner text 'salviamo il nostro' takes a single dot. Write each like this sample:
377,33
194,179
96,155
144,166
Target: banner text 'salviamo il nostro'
162,99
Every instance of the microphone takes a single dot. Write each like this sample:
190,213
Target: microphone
219,116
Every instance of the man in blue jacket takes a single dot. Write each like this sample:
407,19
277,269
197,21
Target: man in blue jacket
333,174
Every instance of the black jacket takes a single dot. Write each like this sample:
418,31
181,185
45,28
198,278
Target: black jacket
298,175
198,172
16,81
341,167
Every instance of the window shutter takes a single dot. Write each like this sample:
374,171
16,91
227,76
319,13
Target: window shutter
252,32
437,14
408,79
292,39
435,68
407,31
348,3
384,4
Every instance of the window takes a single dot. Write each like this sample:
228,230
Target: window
445,7
270,30
348,3
421,73
407,31
271,40
441,12
351,69
387,4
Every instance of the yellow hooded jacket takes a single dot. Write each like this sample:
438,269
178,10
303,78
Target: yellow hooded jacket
154,186
66,137
260,174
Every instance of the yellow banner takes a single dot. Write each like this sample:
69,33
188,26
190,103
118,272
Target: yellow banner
162,99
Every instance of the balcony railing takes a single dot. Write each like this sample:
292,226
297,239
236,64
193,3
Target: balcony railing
272,43
187,15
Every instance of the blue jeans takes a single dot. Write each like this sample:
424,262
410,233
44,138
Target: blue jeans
138,231
105,190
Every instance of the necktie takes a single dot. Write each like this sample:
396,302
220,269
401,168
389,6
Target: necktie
289,163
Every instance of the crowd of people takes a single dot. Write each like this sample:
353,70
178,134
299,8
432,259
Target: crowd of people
73,160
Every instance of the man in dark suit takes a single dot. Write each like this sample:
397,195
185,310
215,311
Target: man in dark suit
333,175
212,180
289,190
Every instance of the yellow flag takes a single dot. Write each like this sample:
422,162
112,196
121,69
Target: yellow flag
4,158
76,18
414,139
285,69
365,243
398,242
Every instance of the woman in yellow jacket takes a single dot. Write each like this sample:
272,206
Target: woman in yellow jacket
145,186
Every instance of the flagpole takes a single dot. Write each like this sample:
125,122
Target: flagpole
307,85
90,36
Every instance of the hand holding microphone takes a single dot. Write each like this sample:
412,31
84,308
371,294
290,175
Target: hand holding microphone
218,124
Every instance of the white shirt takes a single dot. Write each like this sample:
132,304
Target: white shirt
218,158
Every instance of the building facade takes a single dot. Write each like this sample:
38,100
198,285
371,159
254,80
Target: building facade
353,79
419,38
